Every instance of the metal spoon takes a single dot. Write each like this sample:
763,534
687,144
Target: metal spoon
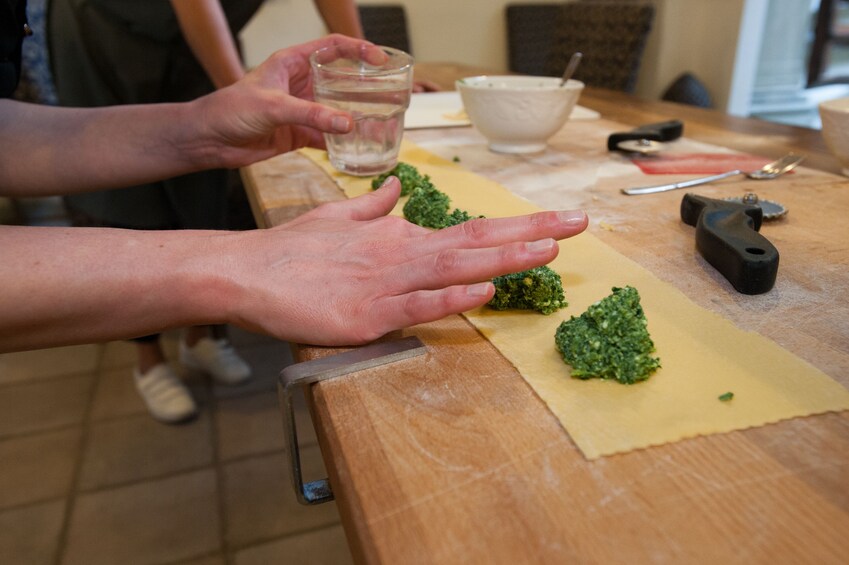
768,171
571,67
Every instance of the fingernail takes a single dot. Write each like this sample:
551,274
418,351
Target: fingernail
388,179
480,289
340,123
572,216
540,246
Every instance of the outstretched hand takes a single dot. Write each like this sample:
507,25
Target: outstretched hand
343,274
346,273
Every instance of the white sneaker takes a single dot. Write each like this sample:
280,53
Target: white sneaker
217,358
167,398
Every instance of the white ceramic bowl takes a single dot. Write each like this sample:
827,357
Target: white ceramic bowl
518,114
835,129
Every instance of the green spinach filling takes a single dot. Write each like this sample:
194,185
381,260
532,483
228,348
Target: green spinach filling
610,340
537,289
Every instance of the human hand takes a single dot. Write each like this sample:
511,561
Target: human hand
346,273
45,150
271,110
425,86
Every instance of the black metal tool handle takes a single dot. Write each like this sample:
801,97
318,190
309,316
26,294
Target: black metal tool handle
660,131
727,237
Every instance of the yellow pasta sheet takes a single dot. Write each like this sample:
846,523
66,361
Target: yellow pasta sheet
703,355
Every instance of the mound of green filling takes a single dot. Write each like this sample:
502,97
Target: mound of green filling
610,340
537,289
409,176
428,207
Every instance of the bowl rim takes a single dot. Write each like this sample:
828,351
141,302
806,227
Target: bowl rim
477,83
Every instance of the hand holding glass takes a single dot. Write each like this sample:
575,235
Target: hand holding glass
376,94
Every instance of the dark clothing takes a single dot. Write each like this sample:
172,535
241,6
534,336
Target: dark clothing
112,52
13,26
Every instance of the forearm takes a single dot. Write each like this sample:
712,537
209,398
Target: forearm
204,25
341,16
48,150
78,285
342,274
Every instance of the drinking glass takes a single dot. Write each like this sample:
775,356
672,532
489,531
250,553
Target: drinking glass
377,95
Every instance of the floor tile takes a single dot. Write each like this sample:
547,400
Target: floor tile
43,405
26,366
118,354
211,560
137,448
39,467
260,503
30,535
116,395
321,547
251,425
154,522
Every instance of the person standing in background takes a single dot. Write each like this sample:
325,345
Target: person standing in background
114,52
211,31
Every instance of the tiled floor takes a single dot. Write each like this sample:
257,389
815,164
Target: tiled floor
87,477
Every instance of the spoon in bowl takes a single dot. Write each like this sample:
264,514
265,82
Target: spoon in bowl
571,67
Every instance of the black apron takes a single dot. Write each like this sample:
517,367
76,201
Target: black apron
111,52
12,25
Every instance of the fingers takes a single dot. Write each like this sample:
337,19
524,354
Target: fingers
491,232
369,206
425,86
337,45
298,112
449,282
349,44
467,266
429,305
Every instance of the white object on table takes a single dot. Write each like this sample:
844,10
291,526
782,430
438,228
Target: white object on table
445,110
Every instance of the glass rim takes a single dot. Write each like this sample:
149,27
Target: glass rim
363,71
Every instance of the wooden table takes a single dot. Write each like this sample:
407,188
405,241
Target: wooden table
452,458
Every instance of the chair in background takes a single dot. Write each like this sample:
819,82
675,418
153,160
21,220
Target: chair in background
386,25
827,35
687,89
531,33
612,37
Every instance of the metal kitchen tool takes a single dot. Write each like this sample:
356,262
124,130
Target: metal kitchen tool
571,67
767,172
771,210
727,237
645,139
317,370
644,146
